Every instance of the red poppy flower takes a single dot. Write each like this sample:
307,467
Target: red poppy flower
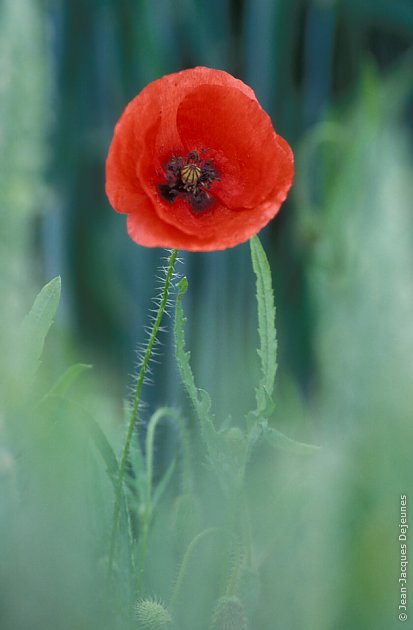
196,164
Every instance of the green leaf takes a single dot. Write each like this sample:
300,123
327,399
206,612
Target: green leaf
199,397
279,440
68,378
266,323
37,323
182,356
104,447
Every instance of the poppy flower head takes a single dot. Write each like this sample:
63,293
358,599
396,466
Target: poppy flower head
196,164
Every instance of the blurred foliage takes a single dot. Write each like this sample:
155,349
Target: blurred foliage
337,79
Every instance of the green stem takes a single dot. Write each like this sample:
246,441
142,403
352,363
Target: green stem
184,564
236,565
150,437
135,406
147,513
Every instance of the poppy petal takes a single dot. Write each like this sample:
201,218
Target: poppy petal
236,130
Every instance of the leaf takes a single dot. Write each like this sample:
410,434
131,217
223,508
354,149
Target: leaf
182,356
266,322
104,447
68,378
279,440
199,397
37,323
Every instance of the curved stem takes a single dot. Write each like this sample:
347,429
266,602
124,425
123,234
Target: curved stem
161,413
186,558
135,407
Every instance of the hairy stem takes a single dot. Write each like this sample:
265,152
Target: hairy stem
135,406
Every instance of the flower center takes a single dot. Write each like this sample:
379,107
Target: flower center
191,177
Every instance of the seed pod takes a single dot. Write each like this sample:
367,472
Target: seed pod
229,614
151,614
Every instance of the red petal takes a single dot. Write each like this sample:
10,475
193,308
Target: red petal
239,135
225,228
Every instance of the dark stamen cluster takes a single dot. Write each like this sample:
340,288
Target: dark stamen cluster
190,177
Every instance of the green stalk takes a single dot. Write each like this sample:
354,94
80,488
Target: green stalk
135,407
184,565
147,514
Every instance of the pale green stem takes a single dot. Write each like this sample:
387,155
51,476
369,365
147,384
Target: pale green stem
184,564
147,512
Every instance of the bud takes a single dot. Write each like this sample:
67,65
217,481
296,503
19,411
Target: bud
151,614
229,614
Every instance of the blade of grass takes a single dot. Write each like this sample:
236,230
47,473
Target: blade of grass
68,378
37,323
